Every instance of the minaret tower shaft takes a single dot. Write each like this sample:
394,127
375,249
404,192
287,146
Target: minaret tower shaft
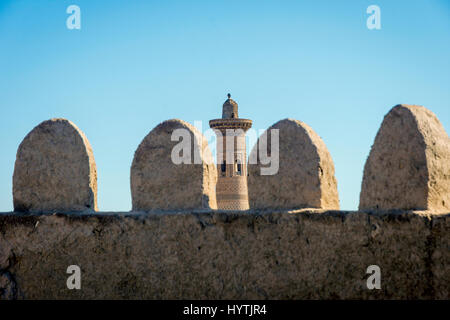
231,188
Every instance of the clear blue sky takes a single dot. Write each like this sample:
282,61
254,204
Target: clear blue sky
134,64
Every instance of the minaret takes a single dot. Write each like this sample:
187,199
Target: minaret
231,189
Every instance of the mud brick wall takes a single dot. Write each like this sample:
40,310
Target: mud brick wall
298,254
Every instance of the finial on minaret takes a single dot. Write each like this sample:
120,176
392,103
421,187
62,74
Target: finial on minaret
229,96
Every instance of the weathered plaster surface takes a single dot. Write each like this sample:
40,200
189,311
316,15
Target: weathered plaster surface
299,254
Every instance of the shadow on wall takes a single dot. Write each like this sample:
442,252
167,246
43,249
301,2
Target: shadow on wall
408,168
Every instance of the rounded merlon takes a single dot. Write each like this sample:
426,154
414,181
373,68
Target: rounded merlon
55,170
305,178
409,163
157,183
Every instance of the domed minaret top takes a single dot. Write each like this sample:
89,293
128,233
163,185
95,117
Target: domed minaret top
230,109
230,118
